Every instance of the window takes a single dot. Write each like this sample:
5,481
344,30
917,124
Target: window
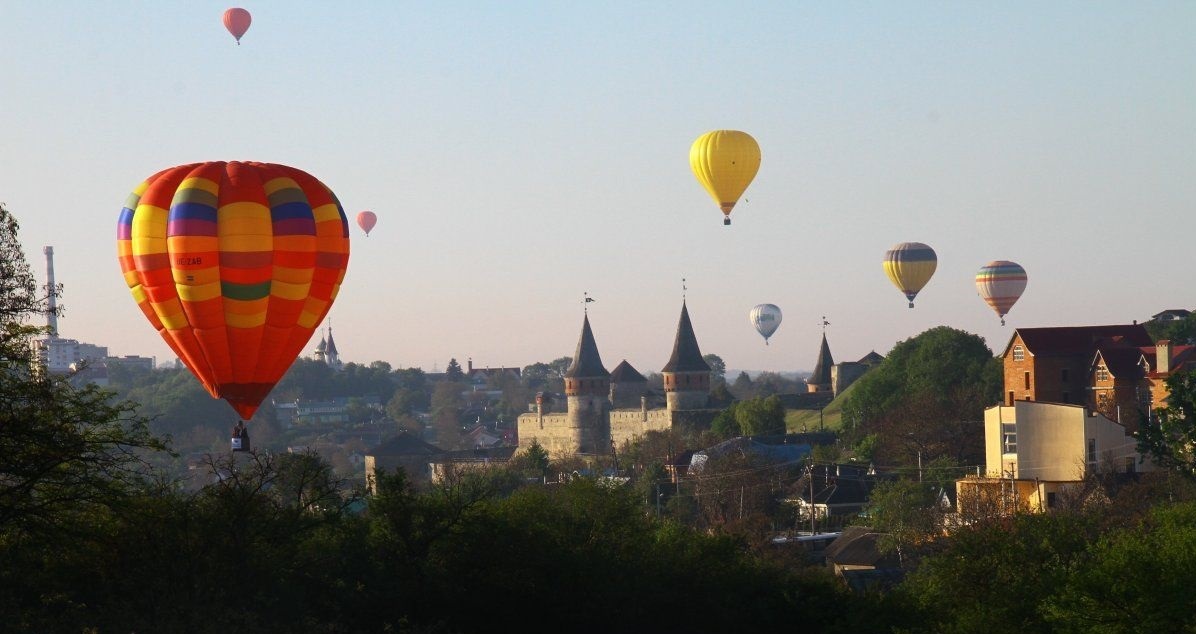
1019,353
1026,376
1102,373
1009,432
1063,375
1010,398
1052,500
1091,451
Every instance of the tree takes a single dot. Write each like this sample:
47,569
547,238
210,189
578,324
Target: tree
718,369
761,416
453,371
907,512
742,387
1170,439
66,450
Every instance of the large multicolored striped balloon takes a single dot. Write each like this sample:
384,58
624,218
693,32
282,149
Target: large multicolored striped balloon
235,265
1000,283
909,266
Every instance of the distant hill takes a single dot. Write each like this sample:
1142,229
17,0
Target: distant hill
798,420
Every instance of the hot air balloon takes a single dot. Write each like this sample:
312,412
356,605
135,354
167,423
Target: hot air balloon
766,318
234,264
909,266
366,220
725,162
1000,284
237,20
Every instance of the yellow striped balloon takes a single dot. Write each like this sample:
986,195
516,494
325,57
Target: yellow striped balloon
725,162
1000,284
909,266
235,265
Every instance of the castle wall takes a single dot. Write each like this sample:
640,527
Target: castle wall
844,374
629,424
554,432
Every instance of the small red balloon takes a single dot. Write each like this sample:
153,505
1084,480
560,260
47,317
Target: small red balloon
366,220
237,20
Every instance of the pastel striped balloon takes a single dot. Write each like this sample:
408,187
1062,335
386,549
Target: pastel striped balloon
235,264
910,266
1000,283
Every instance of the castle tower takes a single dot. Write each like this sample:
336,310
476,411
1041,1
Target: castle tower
587,390
627,386
820,380
686,375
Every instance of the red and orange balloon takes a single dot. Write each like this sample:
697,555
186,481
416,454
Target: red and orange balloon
235,265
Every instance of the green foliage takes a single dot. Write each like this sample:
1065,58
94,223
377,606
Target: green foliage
907,512
1135,580
927,396
997,577
1178,332
1170,439
718,369
533,461
754,417
453,372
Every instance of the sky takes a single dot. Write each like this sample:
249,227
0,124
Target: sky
521,154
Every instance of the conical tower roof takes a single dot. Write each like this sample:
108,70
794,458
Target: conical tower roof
586,361
322,346
687,357
331,344
822,368
624,373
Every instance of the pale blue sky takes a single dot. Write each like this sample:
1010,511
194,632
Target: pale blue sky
519,154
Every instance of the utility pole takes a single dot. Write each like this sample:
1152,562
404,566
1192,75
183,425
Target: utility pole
657,499
813,530
919,466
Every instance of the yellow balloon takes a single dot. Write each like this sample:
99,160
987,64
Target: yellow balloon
725,162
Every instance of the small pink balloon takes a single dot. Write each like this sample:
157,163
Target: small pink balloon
366,220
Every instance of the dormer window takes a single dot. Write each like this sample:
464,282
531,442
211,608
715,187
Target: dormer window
1019,353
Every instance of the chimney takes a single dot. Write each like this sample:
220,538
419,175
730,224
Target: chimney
644,407
469,367
52,291
1162,350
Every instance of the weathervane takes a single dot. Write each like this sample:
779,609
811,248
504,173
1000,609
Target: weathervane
824,324
585,303
683,289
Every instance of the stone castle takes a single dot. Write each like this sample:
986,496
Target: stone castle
605,409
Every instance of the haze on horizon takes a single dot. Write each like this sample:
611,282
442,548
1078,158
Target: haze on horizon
521,154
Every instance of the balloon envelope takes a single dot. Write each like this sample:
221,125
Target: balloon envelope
765,318
237,20
366,220
909,266
1000,284
725,162
234,264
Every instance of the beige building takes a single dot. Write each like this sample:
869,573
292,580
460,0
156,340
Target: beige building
1035,453
604,410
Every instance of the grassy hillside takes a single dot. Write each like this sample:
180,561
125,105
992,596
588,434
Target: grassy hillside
832,415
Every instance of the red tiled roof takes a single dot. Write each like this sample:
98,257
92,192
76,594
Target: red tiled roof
1068,340
1181,356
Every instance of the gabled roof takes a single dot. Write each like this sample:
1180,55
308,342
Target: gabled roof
1122,362
586,360
624,373
405,445
859,546
822,368
687,357
1070,340
871,359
